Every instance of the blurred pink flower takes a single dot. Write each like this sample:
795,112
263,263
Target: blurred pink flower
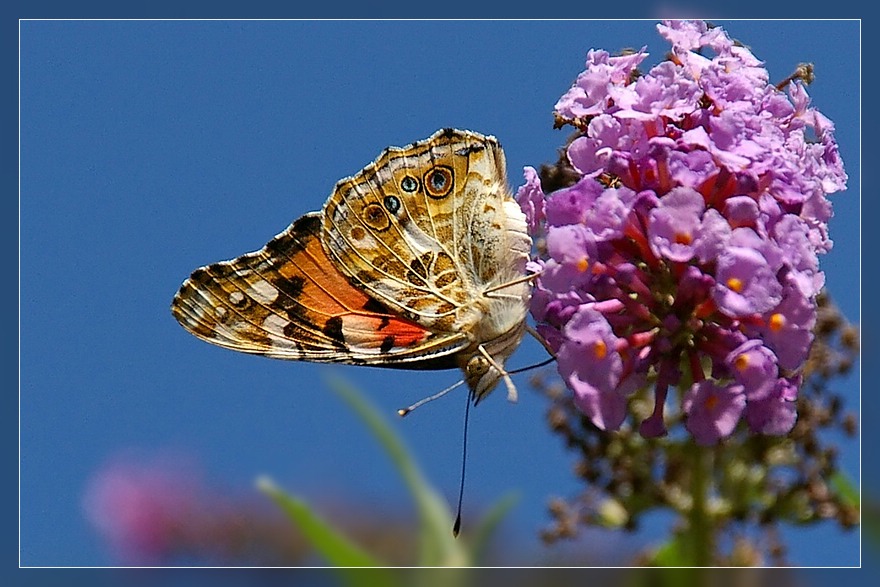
142,509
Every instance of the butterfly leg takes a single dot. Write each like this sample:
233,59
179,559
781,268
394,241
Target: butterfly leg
512,395
488,293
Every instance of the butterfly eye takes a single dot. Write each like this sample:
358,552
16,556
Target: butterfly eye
409,184
392,204
477,366
375,217
438,181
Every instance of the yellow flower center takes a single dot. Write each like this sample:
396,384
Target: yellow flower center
776,322
583,264
735,284
683,238
741,362
600,349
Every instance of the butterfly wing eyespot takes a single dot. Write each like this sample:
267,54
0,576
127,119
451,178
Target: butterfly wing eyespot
375,217
409,184
439,181
392,204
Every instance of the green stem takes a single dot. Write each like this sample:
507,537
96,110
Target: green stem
699,523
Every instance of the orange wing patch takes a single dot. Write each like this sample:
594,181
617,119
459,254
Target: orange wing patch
288,301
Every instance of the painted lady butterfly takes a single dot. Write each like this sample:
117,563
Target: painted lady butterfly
416,262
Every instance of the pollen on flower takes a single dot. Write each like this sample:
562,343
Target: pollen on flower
600,349
776,322
735,284
710,402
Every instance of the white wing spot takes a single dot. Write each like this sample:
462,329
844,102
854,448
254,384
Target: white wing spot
263,292
274,326
236,298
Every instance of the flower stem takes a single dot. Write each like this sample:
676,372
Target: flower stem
700,530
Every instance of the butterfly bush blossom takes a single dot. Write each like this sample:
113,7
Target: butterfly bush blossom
685,255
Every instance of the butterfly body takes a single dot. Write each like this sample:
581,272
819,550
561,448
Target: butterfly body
417,261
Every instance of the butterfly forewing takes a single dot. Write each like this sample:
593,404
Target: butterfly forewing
288,301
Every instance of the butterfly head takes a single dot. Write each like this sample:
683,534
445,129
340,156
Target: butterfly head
481,376
483,364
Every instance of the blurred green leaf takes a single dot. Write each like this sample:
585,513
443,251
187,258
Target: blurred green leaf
437,545
671,554
845,488
333,546
479,542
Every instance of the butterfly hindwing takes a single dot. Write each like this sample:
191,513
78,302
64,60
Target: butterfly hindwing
423,227
288,301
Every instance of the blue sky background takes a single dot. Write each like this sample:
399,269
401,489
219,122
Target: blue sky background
151,148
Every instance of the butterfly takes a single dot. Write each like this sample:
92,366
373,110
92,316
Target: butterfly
418,261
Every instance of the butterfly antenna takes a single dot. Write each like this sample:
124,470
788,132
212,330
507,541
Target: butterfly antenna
404,411
456,527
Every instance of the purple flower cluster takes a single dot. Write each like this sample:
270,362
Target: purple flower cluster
686,254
